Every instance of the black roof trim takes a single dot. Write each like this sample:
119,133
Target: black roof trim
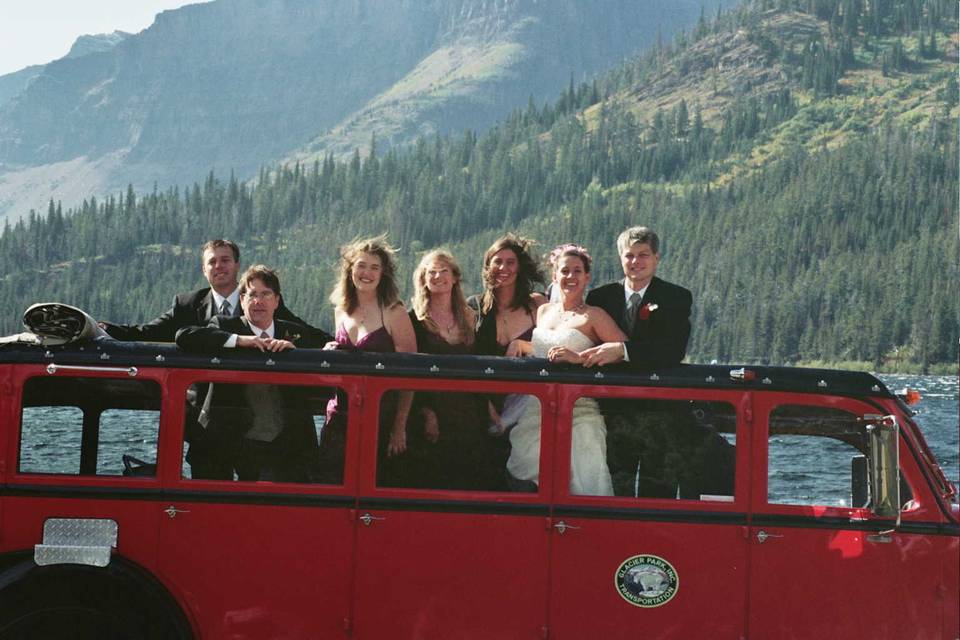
113,353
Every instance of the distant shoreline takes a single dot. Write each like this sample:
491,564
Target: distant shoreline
913,368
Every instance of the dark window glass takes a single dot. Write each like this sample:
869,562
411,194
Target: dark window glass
454,440
648,448
89,426
264,432
816,456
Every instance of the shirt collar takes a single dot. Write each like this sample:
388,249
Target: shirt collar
627,291
233,299
271,330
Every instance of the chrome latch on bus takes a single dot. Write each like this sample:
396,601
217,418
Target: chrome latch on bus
76,541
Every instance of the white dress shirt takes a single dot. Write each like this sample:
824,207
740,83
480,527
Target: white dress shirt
232,340
233,299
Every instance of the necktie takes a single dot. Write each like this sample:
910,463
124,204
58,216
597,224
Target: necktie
632,308
264,335
225,308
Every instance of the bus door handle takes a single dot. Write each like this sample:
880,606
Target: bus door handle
367,519
763,535
563,526
172,511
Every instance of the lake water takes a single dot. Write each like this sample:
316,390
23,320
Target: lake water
800,474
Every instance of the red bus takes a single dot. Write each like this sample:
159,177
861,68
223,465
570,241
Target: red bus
755,502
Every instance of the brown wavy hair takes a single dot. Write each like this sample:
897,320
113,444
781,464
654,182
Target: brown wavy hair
421,294
528,272
344,295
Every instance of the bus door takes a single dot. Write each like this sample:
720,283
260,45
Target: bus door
447,539
650,514
84,472
823,562
257,533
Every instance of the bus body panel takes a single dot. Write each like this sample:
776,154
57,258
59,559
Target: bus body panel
820,570
251,560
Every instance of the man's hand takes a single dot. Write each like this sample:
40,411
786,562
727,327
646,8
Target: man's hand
264,344
606,353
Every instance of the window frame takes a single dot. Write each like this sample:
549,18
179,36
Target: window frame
923,508
739,400
20,376
177,385
375,388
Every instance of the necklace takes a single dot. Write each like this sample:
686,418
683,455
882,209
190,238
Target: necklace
568,314
445,321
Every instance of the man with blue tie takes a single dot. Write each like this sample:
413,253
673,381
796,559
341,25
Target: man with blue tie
220,264
654,313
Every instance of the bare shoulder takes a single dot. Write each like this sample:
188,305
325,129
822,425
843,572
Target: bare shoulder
394,312
538,299
597,314
470,315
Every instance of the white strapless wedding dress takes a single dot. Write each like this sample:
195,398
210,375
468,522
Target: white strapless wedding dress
589,474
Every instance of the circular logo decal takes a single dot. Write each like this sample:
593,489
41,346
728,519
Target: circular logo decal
647,581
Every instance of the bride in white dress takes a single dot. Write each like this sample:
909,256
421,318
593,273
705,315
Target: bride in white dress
564,329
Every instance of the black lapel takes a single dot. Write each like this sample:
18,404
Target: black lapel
206,307
650,295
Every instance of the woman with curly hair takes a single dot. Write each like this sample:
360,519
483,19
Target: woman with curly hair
368,316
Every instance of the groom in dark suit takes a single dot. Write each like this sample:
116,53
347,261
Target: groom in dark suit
654,313
264,431
220,263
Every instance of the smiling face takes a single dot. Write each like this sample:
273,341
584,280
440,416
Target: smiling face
366,273
440,278
639,264
259,303
571,276
220,269
503,268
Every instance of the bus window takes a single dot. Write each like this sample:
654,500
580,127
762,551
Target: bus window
648,448
459,440
269,432
89,426
818,456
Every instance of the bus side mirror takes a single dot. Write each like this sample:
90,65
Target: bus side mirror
883,434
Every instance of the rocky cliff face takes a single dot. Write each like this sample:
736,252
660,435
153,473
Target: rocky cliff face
232,84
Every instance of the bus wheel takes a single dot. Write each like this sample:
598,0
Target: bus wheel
80,603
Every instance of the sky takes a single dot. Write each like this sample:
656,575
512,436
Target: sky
38,31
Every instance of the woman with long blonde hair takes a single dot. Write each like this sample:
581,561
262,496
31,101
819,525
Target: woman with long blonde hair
456,451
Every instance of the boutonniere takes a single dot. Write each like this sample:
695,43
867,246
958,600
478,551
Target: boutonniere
646,309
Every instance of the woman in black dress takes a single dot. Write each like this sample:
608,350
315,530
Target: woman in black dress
455,450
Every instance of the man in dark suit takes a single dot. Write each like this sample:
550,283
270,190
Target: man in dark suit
220,263
263,431
654,313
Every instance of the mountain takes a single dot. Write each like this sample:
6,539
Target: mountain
233,84
12,84
799,160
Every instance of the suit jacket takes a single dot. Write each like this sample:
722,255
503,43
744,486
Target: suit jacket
189,309
660,340
226,414
210,338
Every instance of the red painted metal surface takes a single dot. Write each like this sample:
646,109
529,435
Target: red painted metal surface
445,564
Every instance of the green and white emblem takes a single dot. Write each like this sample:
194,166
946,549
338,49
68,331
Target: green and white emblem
647,581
